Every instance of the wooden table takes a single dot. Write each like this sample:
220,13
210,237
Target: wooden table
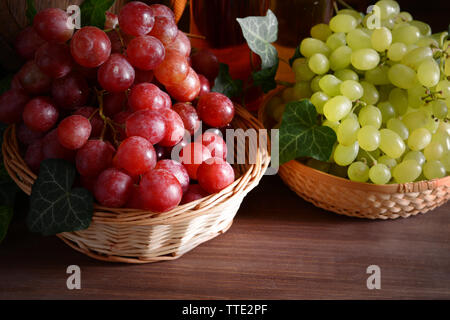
280,247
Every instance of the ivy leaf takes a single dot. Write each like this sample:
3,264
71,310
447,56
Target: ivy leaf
225,84
301,135
6,213
54,206
260,32
31,11
93,12
265,78
296,55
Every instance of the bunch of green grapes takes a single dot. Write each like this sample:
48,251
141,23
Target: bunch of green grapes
385,92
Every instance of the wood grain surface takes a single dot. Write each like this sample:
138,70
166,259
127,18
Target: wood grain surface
280,247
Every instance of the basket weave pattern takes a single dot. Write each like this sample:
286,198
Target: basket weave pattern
137,236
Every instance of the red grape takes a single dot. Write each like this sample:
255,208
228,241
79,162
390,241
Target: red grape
174,128
74,131
119,124
111,21
116,44
15,83
164,29
189,116
52,149
54,59
186,90
215,174
116,74
27,42
215,109
136,18
173,69
146,96
40,114
178,171
114,103
90,47
205,62
33,80
27,136
181,44
192,156
160,10
194,192
71,91
95,120
167,99
135,155
142,76
12,104
90,74
94,157
34,156
145,52
113,188
205,87
51,25
215,144
159,191
147,124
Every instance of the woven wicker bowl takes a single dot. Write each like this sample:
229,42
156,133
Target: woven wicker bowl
136,236
356,199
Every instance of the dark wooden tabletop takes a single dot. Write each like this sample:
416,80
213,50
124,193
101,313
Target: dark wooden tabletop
279,247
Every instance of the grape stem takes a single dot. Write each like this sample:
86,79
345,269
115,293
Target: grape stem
106,120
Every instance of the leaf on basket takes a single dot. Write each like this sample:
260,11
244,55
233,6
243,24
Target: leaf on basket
54,206
225,84
301,134
260,32
31,11
93,12
265,78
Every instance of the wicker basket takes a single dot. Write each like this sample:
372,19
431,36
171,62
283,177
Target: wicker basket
356,199
136,236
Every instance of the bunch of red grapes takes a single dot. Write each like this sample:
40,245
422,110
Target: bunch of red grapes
103,100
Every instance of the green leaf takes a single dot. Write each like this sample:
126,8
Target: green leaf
301,135
93,12
260,32
54,206
225,84
6,213
265,78
296,55
31,11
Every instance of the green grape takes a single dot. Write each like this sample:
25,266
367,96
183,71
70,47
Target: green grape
397,51
410,47
419,139
321,31
384,91
415,120
415,57
415,95
337,108
371,94
301,90
381,39
330,85
315,83
416,156
445,160
433,169
406,171
428,73
331,124
347,131
405,16
355,14
433,151
346,74
443,139
318,99
336,40
358,171
351,115
344,155
368,156
427,42
277,114
318,165
301,70
365,59
399,127
402,76
337,170
343,23
380,174
432,124
447,67
406,33
443,87
378,76
425,29
319,63
310,46
288,94
370,116
399,99
351,89
387,161
388,8
340,58
368,138
388,23
387,111
358,39
391,143
439,108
